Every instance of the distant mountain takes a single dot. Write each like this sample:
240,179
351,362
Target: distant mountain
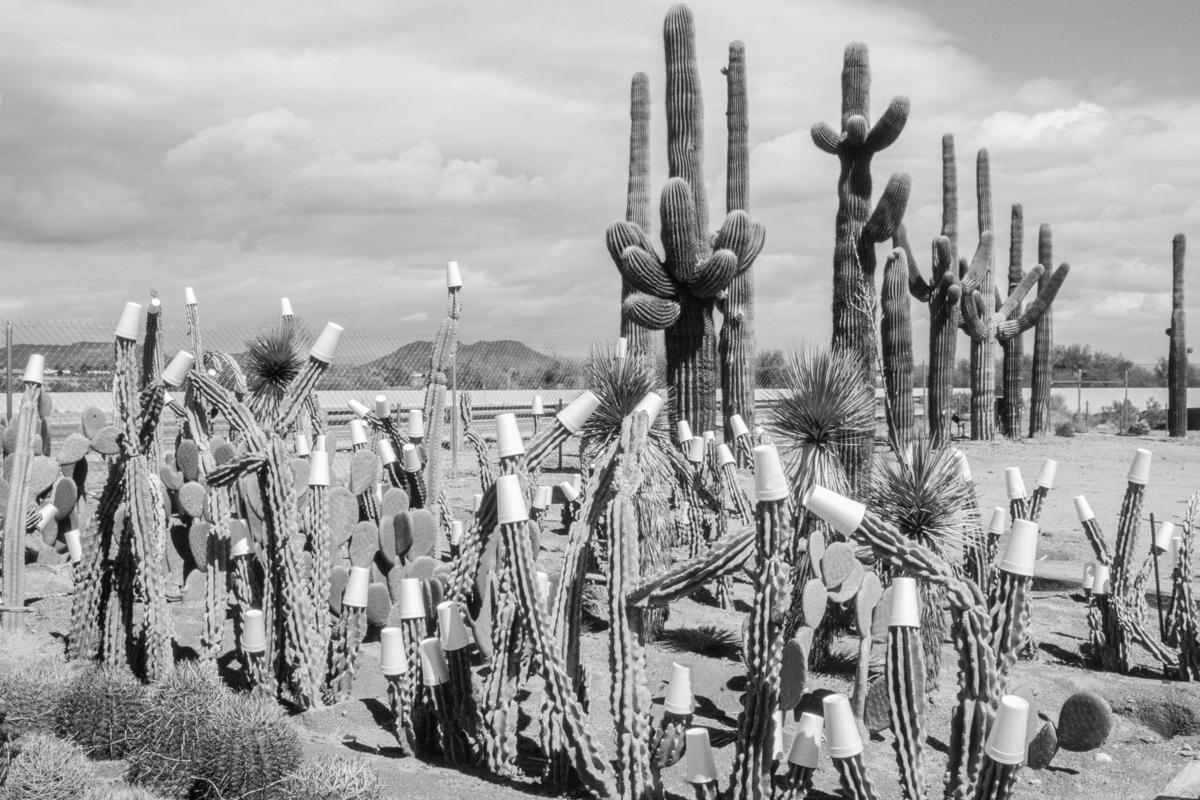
480,365
78,358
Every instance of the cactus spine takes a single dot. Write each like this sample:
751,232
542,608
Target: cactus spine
1177,360
1041,380
895,330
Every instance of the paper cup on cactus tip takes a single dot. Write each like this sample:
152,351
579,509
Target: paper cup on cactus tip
695,449
652,404
622,347
806,747
254,631
1102,580
569,491
387,453
841,730
355,595
456,532
382,410
434,669
508,436
1046,473
510,500
536,407
1015,483
1020,554
285,308
358,408
127,326
770,483
998,522
1006,740
48,512
453,275
964,466
302,447
906,608
724,455
74,545
416,423
476,502
738,426
709,436
1083,510
843,514
684,431
579,411
541,585
1163,536
318,468
1176,546
393,656
411,602
35,369
1089,576
410,458
1139,470
679,691
541,498
239,547
451,627
318,443
358,432
326,344
701,767
189,296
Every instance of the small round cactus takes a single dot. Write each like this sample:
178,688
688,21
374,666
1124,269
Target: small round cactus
99,709
1042,748
1084,722
48,768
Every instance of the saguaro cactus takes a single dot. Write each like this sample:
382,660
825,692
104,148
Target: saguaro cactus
19,497
859,228
1013,348
637,199
676,293
1040,382
895,328
1177,360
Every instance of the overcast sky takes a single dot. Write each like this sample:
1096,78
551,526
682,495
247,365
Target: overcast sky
340,153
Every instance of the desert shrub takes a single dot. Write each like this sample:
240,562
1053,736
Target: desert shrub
333,779
98,710
48,768
245,749
1155,415
1139,428
1065,429
122,792
31,694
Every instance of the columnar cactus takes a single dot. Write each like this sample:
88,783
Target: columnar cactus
1012,402
859,228
444,350
1041,380
637,200
905,676
1177,360
895,331
19,497
677,291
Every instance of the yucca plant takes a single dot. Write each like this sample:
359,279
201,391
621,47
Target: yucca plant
273,360
926,500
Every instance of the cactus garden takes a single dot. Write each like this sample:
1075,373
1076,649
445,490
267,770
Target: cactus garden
883,578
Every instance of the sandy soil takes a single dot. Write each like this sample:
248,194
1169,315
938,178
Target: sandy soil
1136,762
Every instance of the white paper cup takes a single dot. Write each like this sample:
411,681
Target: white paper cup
684,431
393,656
508,436
1083,510
416,423
777,748
1176,546
841,731
326,343
679,698
382,409
710,436
456,532
355,595
318,443
622,347
302,448
652,404
285,307
1015,483
701,767
695,449
254,631
412,599
451,627
724,455
434,669
577,413
453,275
35,369
318,468
127,327
806,747
176,372
189,296
539,498
536,407
74,545
1020,554
998,522
964,466
240,547
410,458
569,491
387,453
1089,575
510,500
358,432
1139,470
738,425
541,585
476,502
48,512
1006,740
1045,476
843,514
1163,536
1102,580
770,483
906,608
359,409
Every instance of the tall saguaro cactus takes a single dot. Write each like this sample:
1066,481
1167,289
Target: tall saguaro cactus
859,228
637,198
895,329
677,292
1177,360
737,328
1040,382
1013,348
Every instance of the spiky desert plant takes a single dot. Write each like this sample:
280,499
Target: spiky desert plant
1177,360
1041,380
905,674
19,498
245,748
99,709
858,228
676,292
48,768
926,499
442,355
273,360
30,693
1012,402
895,332
332,779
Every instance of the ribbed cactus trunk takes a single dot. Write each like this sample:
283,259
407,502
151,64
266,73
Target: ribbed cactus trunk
640,339
983,348
1043,341
1177,360
1014,348
895,328
944,312
737,329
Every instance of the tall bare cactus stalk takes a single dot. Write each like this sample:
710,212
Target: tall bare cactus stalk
637,200
1177,360
1042,379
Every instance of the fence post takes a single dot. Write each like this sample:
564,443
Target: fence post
454,416
1079,392
8,344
